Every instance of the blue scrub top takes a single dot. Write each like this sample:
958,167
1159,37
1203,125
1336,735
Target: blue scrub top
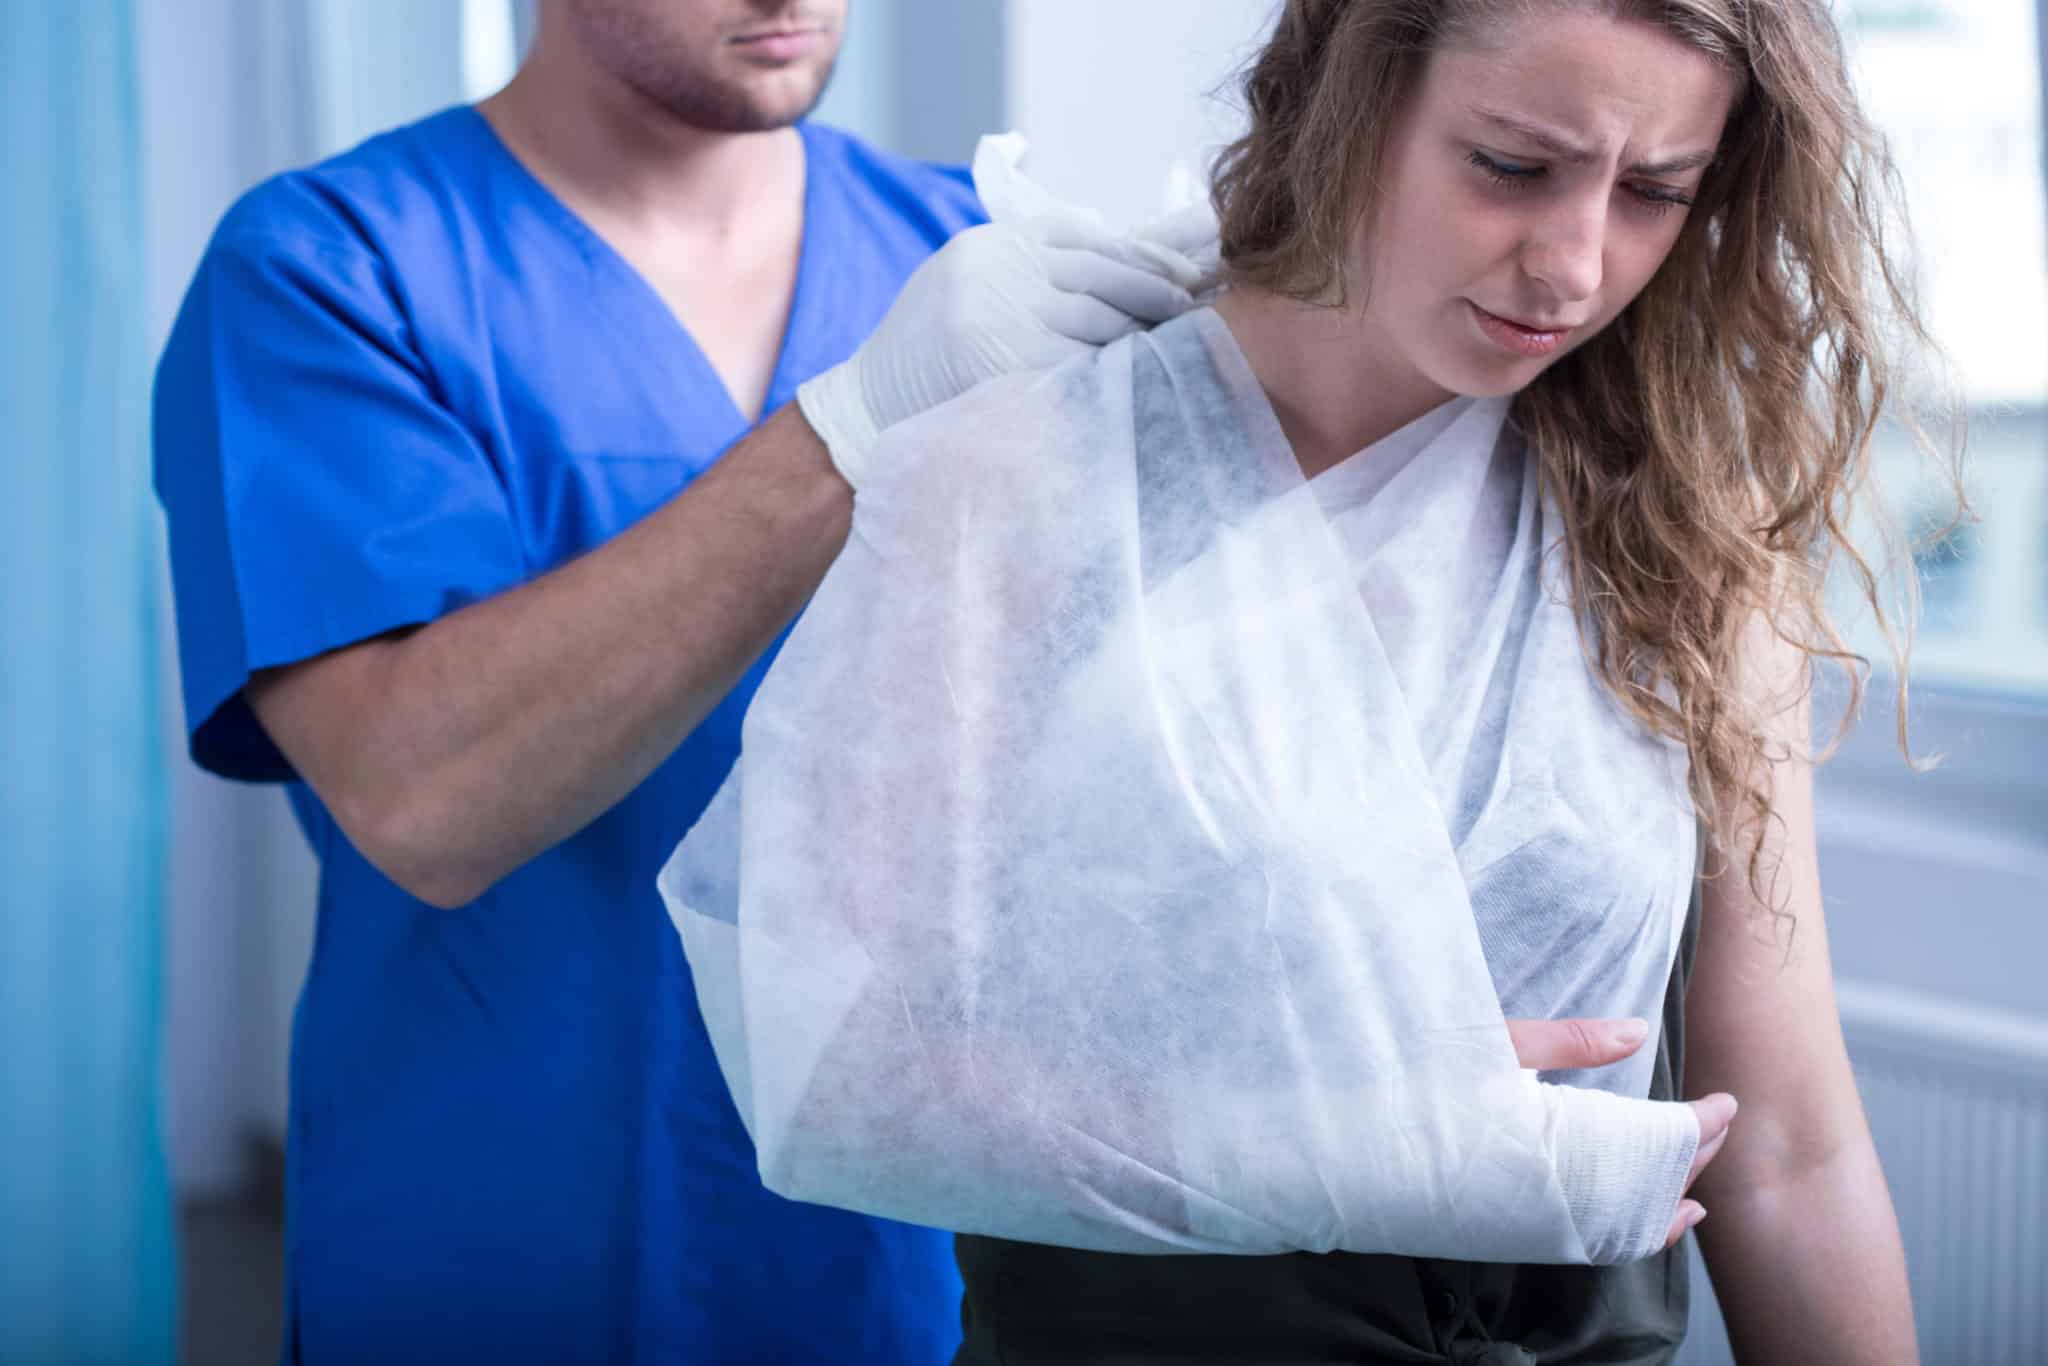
402,381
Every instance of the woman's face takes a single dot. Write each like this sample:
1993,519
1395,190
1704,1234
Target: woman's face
1537,180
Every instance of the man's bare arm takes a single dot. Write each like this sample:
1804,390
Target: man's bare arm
454,752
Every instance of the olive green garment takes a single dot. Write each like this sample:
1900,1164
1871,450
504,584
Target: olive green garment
1030,1305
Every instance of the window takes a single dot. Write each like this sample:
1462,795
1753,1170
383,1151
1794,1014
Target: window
1955,85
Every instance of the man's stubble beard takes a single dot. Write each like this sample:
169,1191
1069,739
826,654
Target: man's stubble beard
634,52
721,106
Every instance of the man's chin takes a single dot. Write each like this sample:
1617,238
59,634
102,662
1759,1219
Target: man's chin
761,101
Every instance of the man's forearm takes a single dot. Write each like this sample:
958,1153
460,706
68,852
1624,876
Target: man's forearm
1811,1269
476,742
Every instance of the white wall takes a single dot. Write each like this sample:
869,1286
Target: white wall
861,96
197,153
923,78
1937,882
1114,97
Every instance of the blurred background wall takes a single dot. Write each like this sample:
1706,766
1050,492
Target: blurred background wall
1937,884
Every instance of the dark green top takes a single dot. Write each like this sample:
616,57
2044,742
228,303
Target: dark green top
1029,1305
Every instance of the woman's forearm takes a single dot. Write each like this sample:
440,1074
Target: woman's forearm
1810,1268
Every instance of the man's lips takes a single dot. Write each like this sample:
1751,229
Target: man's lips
779,44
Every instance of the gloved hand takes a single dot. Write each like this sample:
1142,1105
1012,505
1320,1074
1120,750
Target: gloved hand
1038,284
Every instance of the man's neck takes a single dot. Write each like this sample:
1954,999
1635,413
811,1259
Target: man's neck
713,222
617,158
1334,382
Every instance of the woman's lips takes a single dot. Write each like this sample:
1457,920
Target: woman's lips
779,45
1520,338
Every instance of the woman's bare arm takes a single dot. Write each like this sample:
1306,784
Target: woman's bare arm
1802,1242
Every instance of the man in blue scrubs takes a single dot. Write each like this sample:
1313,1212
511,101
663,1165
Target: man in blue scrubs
480,544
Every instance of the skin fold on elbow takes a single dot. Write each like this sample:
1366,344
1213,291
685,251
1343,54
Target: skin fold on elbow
331,718
406,835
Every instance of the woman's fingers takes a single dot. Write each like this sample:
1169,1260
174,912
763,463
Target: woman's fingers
1716,1113
1690,1212
1563,1045
1548,1045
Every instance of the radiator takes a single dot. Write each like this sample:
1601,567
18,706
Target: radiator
1958,1104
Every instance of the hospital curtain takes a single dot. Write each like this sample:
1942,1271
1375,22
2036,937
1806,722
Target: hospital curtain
87,1249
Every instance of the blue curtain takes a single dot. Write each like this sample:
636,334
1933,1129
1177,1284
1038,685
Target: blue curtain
88,1268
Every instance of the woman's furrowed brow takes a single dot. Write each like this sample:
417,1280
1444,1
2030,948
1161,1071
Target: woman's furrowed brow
1560,145
1574,152
1676,165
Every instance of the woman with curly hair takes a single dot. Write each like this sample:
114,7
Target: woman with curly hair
1235,728
1647,240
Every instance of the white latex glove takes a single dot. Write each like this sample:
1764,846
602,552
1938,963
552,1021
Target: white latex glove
1038,284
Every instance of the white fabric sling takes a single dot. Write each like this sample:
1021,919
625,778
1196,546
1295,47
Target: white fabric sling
1084,879
1114,839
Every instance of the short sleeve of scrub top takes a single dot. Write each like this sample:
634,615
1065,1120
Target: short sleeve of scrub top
358,506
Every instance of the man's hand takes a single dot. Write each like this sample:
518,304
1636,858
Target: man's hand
1040,283
999,298
1549,1045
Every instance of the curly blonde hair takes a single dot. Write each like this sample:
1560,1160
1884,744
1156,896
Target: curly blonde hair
1708,448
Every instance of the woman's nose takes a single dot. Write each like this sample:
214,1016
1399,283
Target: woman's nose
1565,249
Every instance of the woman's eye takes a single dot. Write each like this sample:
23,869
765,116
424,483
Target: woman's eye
1659,198
1504,172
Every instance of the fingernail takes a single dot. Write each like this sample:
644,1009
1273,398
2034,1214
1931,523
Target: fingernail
1699,1212
1630,1033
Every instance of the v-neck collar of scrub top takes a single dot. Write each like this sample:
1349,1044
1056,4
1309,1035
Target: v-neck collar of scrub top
601,255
